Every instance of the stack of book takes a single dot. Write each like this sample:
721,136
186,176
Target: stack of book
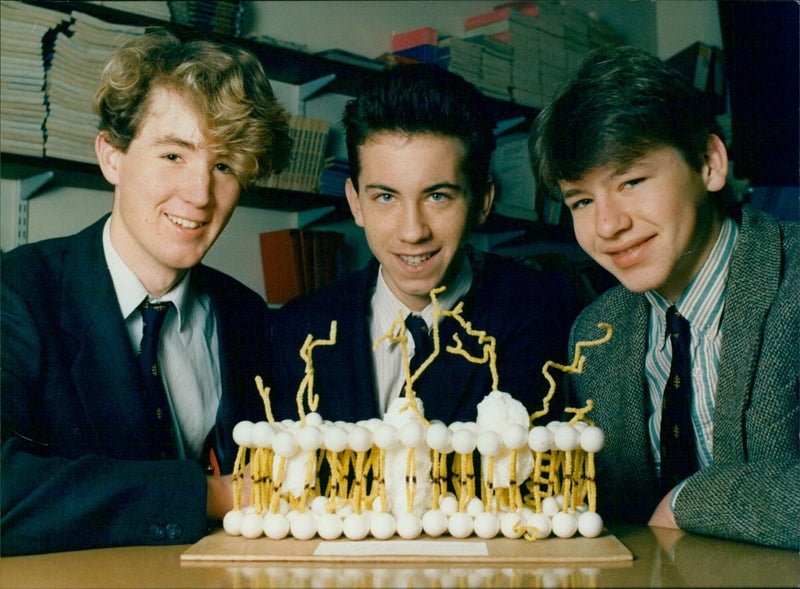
79,56
419,44
224,17
23,107
307,158
484,62
576,39
516,27
296,261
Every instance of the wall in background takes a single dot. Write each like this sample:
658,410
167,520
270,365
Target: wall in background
662,27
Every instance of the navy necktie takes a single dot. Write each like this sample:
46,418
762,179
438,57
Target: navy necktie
418,329
678,458
157,411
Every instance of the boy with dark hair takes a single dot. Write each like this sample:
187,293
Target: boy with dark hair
126,363
420,141
697,391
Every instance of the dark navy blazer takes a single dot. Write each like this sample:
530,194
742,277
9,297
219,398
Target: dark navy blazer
527,311
74,466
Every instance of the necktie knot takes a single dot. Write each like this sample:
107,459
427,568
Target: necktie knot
153,315
418,329
677,324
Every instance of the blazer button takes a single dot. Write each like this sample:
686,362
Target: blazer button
174,531
157,531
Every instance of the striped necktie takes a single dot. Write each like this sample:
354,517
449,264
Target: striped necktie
416,326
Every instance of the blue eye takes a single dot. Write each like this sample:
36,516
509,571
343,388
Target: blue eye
438,196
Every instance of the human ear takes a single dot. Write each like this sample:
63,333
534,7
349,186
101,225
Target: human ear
483,207
352,200
715,167
107,157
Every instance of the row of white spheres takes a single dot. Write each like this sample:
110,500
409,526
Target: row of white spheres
284,438
435,522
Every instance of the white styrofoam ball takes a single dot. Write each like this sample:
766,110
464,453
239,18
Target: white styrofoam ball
560,500
564,524
434,522
489,443
566,438
243,434
448,504
475,506
345,509
314,419
252,525
386,436
540,438
487,525
291,515
592,439
356,526
550,506
232,522
310,437
283,506
319,505
455,426
335,439
554,425
580,425
329,526
460,525
515,436
590,524
276,526
262,434
382,525
360,439
524,512
377,503
438,436
304,526
409,526
284,444
464,441
412,434
542,523
511,524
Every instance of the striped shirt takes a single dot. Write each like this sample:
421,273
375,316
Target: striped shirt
385,309
188,351
702,304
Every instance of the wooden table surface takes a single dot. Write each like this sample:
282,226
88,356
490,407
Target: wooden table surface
662,558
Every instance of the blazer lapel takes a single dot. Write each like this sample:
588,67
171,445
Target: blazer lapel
752,283
109,388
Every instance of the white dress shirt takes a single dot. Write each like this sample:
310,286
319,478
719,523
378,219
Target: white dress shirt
386,308
188,352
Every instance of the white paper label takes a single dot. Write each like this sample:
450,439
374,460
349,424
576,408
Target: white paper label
401,548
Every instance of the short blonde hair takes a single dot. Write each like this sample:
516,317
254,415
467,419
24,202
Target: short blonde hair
226,84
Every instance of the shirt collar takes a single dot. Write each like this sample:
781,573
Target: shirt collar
703,300
388,308
129,289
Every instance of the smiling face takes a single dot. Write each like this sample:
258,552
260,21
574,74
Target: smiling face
416,209
172,194
651,223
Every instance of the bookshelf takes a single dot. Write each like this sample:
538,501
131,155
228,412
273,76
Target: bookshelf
282,64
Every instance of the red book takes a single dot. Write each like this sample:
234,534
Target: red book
408,39
497,15
282,263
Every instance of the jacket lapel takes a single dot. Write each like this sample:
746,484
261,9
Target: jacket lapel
751,287
90,312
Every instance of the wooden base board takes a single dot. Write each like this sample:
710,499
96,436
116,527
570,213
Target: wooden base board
221,547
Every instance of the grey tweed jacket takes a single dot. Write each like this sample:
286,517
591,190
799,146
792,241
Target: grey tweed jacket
752,491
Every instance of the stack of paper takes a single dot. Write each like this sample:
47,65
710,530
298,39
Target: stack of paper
223,16
23,106
496,64
523,36
465,60
576,39
78,59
